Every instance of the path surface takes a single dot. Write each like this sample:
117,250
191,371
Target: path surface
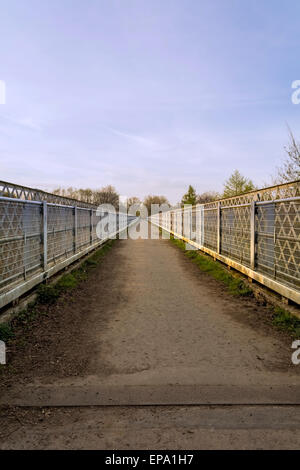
154,330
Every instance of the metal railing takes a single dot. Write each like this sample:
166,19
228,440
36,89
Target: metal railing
39,238
17,191
257,233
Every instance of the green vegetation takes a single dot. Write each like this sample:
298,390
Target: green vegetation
5,332
283,320
237,184
235,285
48,294
190,197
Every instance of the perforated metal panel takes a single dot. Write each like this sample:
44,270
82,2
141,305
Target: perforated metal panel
287,242
259,230
60,229
235,233
36,236
20,241
210,228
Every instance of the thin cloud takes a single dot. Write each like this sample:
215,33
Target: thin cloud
26,121
29,123
133,137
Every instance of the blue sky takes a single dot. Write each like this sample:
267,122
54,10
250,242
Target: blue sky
147,95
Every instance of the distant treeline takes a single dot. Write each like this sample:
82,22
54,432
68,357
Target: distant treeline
235,185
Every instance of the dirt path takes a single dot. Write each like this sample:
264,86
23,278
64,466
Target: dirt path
148,328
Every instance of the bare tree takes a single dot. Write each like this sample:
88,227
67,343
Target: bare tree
134,205
290,171
105,195
86,195
133,200
158,200
73,193
208,196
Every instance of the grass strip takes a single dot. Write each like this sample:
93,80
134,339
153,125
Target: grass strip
48,294
281,318
206,264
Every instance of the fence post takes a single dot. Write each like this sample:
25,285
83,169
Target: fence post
252,235
45,235
219,221
200,226
91,226
75,229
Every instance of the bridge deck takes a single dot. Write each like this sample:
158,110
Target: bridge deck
148,328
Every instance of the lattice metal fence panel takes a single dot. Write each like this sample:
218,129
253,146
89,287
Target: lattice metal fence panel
210,228
173,221
60,233
178,222
194,220
259,230
83,228
39,237
95,220
278,241
265,235
235,233
287,241
20,241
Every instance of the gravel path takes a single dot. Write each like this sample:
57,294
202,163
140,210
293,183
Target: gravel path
148,319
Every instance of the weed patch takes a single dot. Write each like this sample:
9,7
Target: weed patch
285,321
68,281
216,270
48,294
6,332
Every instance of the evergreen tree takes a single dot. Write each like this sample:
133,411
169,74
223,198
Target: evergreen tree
237,184
190,197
